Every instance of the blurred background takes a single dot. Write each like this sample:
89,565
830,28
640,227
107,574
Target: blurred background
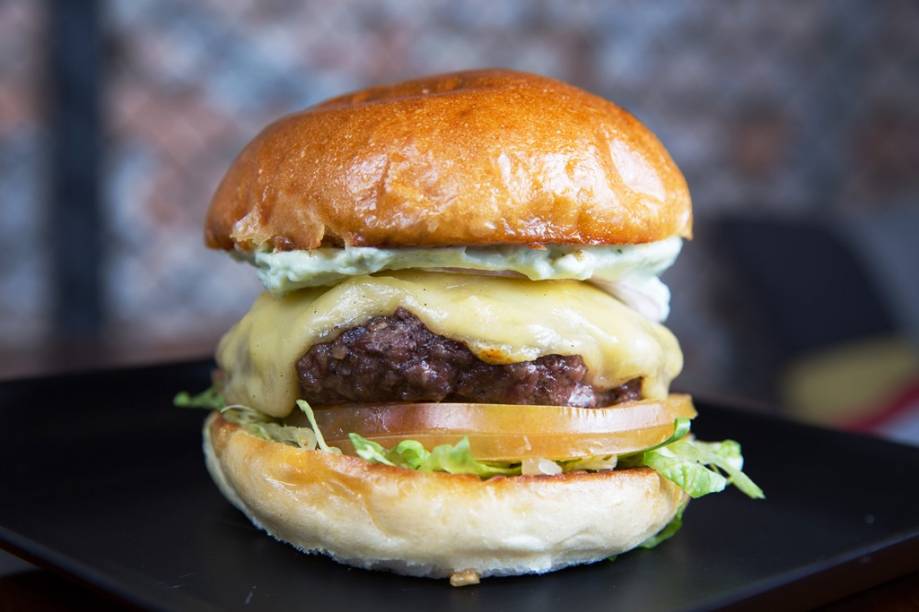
796,124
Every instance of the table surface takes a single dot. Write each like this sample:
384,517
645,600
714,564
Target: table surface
25,587
151,528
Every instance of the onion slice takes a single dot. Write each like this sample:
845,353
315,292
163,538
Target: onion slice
503,432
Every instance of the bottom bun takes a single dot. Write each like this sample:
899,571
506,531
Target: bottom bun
434,524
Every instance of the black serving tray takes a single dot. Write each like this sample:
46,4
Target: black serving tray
103,480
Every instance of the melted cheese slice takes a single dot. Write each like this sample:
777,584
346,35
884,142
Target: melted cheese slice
501,320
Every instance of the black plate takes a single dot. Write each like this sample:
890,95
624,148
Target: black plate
104,481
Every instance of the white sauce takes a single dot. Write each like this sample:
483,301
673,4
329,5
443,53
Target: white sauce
628,272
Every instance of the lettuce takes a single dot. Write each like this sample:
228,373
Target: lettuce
699,468
696,467
597,463
668,531
260,425
256,423
411,454
209,398
302,437
681,427
308,411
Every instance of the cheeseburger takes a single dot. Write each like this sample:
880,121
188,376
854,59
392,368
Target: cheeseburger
458,368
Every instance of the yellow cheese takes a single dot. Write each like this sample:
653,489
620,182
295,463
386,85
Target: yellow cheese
502,320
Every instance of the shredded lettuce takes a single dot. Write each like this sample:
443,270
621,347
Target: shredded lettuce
681,427
209,398
258,424
302,437
668,531
308,411
599,463
699,468
452,458
251,420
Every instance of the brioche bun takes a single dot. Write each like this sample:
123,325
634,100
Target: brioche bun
434,524
489,157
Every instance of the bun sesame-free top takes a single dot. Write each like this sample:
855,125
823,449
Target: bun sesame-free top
489,157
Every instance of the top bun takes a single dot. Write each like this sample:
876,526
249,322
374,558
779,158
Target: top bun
482,157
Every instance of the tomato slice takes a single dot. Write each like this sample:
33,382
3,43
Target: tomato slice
501,432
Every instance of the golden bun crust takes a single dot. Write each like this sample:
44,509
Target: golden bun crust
434,524
470,158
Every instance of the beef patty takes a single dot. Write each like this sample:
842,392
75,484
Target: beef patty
395,358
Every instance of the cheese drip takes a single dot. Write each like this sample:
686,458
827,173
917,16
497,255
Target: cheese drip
501,320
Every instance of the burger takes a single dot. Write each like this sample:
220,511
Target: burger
458,368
